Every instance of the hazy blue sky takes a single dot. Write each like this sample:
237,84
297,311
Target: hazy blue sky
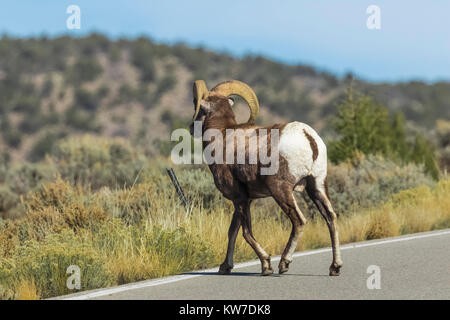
413,42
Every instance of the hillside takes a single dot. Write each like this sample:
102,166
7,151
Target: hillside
94,116
140,90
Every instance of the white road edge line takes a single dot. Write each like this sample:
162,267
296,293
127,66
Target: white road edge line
160,281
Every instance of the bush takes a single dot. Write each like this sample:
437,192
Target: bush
139,94
369,182
443,137
47,87
85,69
166,84
12,137
32,123
200,190
18,181
45,264
81,119
98,162
53,207
44,145
26,176
58,205
142,58
134,204
27,104
86,100
424,153
4,166
9,202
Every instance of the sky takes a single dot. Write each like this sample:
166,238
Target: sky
413,42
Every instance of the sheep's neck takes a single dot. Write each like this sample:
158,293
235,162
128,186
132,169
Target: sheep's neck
219,122
222,124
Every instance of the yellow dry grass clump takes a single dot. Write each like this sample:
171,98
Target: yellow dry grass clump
27,290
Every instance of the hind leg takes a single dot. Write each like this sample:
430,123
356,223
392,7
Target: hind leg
317,191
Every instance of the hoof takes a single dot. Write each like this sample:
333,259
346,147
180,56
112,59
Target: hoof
335,271
266,267
267,272
283,266
225,269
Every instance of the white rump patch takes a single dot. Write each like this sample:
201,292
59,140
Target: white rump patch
295,148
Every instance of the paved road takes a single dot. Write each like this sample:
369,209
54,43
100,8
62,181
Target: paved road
411,267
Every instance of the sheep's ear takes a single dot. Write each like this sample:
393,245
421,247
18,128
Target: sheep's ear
231,101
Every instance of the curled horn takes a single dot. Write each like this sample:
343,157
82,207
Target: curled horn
200,92
241,89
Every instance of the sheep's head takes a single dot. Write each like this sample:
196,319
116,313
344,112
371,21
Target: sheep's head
218,102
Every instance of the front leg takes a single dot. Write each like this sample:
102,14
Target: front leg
227,265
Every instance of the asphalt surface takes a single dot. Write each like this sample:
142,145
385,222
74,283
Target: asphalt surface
411,267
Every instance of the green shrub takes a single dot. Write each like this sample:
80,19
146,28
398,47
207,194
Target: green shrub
45,263
102,92
18,181
27,176
26,103
166,84
86,100
424,153
140,94
98,162
12,137
9,201
44,145
142,58
133,204
80,119
84,69
47,88
443,137
198,185
371,181
32,122
4,166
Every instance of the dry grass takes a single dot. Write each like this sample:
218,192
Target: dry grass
27,290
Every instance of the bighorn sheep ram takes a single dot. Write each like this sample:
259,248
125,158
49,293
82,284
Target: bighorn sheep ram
302,165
